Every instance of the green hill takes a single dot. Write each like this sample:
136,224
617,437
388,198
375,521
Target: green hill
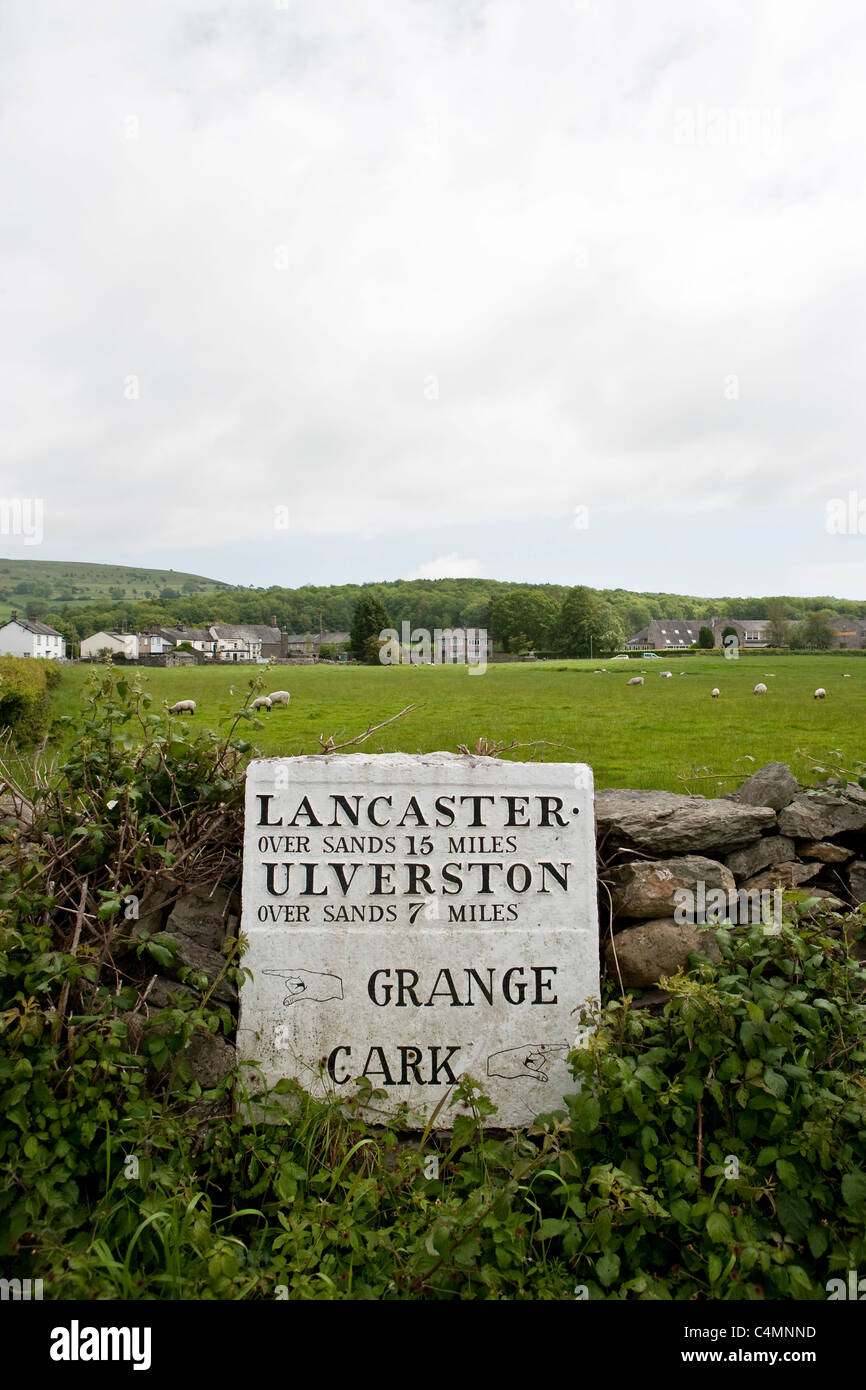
80,599
42,585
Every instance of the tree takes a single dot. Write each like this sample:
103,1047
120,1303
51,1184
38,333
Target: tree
65,627
706,640
586,623
815,631
369,619
608,630
779,627
371,650
634,614
523,620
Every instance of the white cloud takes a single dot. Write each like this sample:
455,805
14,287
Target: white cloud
448,567
418,264
844,579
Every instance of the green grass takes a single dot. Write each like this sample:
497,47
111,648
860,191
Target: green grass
667,733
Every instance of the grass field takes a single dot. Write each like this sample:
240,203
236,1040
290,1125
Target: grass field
666,733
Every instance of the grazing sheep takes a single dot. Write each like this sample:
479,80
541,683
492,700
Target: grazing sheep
820,693
666,675
279,697
263,702
715,692
760,688
635,680
846,676
182,707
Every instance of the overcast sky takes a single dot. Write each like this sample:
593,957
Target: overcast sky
331,290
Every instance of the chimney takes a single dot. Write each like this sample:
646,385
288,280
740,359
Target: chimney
273,620
14,616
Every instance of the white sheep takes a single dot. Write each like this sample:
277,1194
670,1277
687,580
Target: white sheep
715,692
182,707
820,693
635,680
279,697
846,676
760,688
666,675
263,702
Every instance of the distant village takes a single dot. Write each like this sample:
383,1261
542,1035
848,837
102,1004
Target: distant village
178,646
258,643
671,634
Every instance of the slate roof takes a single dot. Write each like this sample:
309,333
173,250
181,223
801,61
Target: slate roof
183,634
252,632
295,639
31,625
682,632
671,632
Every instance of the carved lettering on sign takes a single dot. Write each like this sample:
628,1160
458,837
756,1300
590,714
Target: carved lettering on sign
416,919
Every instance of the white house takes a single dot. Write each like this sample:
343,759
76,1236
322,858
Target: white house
244,641
118,643
20,637
153,644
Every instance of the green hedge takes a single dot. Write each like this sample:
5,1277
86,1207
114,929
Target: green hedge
24,695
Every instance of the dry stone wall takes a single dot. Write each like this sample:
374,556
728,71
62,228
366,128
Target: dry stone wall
660,852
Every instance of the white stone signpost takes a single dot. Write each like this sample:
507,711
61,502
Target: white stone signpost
413,919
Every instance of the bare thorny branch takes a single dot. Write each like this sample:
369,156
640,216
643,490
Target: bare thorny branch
328,745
